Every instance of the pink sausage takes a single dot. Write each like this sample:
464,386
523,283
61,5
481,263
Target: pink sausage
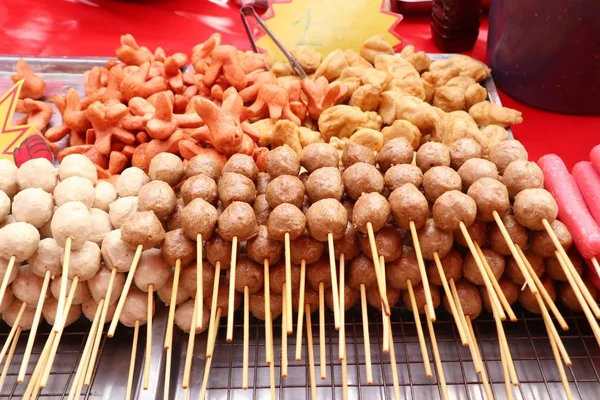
595,157
572,210
588,182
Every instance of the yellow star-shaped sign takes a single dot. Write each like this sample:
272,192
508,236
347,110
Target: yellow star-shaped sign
11,137
328,24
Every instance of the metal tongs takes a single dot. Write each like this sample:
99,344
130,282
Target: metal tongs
249,10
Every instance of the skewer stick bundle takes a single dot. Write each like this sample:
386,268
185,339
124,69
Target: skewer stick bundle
422,344
453,307
436,356
300,310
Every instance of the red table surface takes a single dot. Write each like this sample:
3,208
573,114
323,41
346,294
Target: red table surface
93,27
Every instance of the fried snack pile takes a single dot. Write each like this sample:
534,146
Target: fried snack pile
229,101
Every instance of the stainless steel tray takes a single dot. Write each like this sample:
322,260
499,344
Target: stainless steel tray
529,344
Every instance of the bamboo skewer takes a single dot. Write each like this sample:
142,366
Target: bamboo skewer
245,360
322,349
231,301
596,265
300,310
172,305
311,354
436,356
60,308
367,340
284,319
115,320
13,331
199,283
484,377
559,364
334,284
378,270
148,356
34,327
584,290
167,385
288,286
422,270
213,310
11,352
33,385
395,379
450,297
268,317
463,320
386,322
98,337
504,363
422,344
272,381
7,274
212,339
342,335
136,332
187,370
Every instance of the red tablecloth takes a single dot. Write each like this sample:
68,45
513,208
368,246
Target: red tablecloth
93,27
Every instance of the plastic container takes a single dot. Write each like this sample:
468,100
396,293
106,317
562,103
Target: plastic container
455,24
546,53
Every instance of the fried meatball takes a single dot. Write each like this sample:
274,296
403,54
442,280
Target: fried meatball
115,253
374,298
433,239
164,293
37,173
555,271
184,314
85,261
475,169
5,206
12,311
278,280
528,300
490,195
569,299
100,225
131,181
203,164
420,298
159,197
439,180
453,208
251,274
283,160
142,228
388,241
351,298
199,218
401,174
49,312
319,155
520,175
319,271
306,248
174,220
478,231
262,247
406,268
82,291
285,218
452,265
261,209
34,206
238,220
46,258
77,165
120,209
152,270
471,270
325,183
19,240
75,188
509,289
176,246
236,187
223,300
469,297
166,167
6,300
262,182
349,245
98,285
361,271
354,153
518,234
514,272
362,178
241,164
432,154
370,208
135,308
462,150
105,194
541,244
311,298
199,186
532,206
505,152
218,250
408,204
89,310
257,305
27,286
188,279
285,189
324,217
394,152
8,177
